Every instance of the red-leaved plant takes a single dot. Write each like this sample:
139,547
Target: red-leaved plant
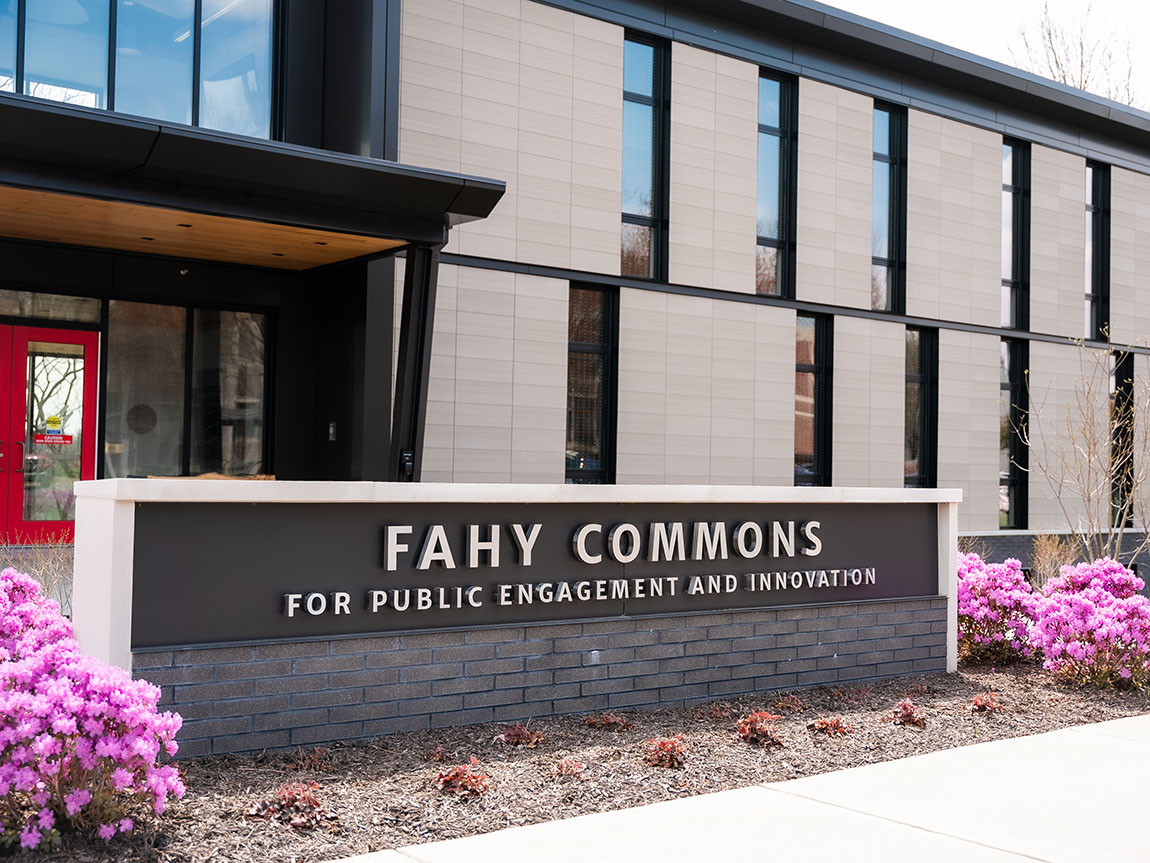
985,702
758,730
517,734
464,780
831,726
666,751
295,804
609,722
906,713
569,768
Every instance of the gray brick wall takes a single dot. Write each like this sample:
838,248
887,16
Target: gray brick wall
272,696
1020,546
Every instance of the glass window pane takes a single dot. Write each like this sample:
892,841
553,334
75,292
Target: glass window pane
585,411
768,266
913,352
235,66
639,68
880,210
770,96
66,51
638,159
56,307
1006,313
880,287
53,433
144,431
154,46
769,187
228,393
1005,495
1005,435
637,259
7,47
912,447
1004,363
804,428
1090,185
1007,165
586,321
882,132
804,340
1088,272
1007,235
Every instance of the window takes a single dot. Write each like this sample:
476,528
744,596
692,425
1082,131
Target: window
1015,234
592,338
200,62
1097,276
1121,438
1012,454
920,461
646,119
774,259
812,400
888,210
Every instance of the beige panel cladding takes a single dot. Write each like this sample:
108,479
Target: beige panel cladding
1057,242
953,223
869,403
497,395
714,133
1129,256
706,391
526,93
834,195
1069,436
968,424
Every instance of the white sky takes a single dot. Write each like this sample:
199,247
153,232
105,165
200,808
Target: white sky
990,28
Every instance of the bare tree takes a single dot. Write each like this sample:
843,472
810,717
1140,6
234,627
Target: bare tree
1077,54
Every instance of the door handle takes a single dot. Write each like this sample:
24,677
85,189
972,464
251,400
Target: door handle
19,469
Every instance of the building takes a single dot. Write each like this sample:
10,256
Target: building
739,242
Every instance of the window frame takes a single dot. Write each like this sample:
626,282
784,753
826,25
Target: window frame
787,133
1015,517
660,102
823,389
609,351
927,378
895,262
1097,323
1018,285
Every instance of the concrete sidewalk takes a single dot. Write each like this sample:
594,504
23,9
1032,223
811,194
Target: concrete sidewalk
1072,795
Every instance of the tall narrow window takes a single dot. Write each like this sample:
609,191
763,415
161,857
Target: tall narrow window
645,132
888,210
1121,438
1097,275
812,400
1015,234
921,429
592,336
774,261
1012,454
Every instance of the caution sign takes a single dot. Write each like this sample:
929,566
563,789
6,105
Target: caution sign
52,438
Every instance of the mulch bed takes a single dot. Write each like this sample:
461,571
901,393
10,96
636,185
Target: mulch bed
382,794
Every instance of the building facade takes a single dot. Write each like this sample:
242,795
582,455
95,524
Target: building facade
740,242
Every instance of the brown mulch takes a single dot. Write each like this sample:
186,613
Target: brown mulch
382,793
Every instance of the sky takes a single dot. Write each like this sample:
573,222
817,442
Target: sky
990,28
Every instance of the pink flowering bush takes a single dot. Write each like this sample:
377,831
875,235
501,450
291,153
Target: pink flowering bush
79,740
996,609
1094,627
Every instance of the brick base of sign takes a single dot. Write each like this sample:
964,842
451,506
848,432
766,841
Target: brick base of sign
275,696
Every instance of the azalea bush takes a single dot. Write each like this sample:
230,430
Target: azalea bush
996,609
1093,627
80,741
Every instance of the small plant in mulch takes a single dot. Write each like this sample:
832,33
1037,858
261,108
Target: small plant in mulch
713,711
311,761
853,694
791,703
569,768
666,751
517,734
905,713
758,730
831,726
985,702
295,804
919,690
609,722
464,780
438,753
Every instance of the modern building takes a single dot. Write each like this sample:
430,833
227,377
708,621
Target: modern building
739,242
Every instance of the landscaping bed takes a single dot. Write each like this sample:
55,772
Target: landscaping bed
385,793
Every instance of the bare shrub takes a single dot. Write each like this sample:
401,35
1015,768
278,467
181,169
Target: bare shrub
1049,554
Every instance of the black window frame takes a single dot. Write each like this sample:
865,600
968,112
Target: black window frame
1015,516
609,403
927,421
822,368
1018,285
659,221
896,245
1097,294
788,134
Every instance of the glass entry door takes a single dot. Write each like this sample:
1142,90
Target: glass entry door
49,398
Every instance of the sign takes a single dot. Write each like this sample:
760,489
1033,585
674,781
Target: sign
52,438
289,570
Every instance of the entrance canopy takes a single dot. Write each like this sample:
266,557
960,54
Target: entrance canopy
92,178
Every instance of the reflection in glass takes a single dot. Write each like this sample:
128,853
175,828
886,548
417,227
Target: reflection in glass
770,95
56,307
585,320
770,199
912,449
638,158
768,264
154,45
235,66
53,419
7,48
66,51
880,210
1006,313
1007,235
228,393
637,259
145,410
585,411
804,428
639,68
881,132
880,286
804,340
913,352
1007,165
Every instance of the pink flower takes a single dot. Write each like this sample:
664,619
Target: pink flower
107,831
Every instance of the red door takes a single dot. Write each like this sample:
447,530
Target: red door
48,408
